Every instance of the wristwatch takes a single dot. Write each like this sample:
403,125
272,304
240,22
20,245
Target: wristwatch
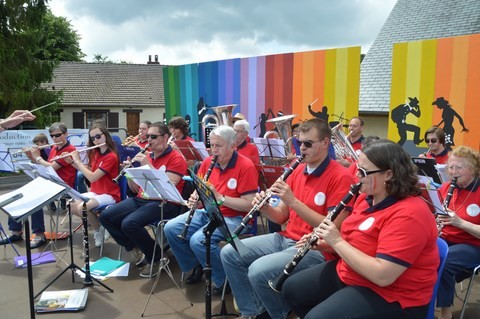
221,200
37,160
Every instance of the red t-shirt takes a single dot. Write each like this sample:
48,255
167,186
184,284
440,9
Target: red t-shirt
239,178
141,144
441,158
465,203
108,163
66,172
321,191
249,150
173,162
400,231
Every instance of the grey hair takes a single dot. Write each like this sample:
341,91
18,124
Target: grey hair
243,123
225,132
58,126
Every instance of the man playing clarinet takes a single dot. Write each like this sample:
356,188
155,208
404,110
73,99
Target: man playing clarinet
315,187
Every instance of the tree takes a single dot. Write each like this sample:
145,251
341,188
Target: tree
99,58
32,42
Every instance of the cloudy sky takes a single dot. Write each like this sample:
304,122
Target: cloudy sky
188,31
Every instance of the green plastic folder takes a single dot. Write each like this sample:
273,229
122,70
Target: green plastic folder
104,266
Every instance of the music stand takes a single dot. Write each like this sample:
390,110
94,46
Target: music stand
216,221
192,150
156,185
426,167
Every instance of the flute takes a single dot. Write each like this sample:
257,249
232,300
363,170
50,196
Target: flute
79,151
256,208
31,148
277,285
446,202
183,233
116,180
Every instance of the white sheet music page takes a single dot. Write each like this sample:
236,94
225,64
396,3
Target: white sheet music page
200,147
432,192
35,195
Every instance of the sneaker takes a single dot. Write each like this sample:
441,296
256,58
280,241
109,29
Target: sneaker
106,234
97,237
12,237
145,273
38,241
138,256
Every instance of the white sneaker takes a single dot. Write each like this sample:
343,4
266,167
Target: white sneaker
106,234
97,237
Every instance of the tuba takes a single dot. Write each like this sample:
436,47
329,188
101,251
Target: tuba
222,116
341,144
284,130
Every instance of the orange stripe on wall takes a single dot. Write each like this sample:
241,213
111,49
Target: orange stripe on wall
472,96
443,76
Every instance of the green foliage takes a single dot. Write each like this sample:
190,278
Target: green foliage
32,42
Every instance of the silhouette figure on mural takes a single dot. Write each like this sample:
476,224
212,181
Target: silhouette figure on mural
262,120
399,117
321,115
188,119
448,114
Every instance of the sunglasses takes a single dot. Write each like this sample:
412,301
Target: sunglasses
307,143
96,136
364,173
433,140
154,136
56,135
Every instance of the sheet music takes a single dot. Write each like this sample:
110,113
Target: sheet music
442,172
432,192
155,184
35,195
200,147
270,147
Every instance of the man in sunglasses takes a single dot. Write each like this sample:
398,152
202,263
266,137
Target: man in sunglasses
314,188
126,220
58,133
435,139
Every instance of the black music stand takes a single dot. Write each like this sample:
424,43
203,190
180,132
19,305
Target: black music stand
216,221
426,167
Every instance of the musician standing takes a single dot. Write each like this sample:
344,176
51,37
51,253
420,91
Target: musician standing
387,248
244,147
126,220
233,181
461,230
355,137
101,169
435,139
312,189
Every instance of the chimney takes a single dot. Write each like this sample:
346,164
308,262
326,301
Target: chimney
153,62
149,59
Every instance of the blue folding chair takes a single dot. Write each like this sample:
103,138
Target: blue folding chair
443,251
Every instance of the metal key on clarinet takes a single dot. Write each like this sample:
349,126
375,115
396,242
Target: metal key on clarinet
446,202
302,251
116,180
256,208
183,233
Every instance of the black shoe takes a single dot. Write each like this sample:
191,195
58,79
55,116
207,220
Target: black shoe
53,207
264,315
63,203
195,276
218,291
13,238
38,241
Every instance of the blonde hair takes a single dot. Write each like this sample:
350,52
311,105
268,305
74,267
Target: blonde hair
473,157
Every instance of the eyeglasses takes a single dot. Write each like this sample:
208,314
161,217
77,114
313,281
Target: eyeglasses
455,167
154,136
364,173
433,140
96,136
307,143
56,135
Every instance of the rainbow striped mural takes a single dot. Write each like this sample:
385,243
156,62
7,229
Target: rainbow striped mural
432,69
285,83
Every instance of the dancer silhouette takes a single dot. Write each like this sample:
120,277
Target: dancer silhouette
399,117
448,115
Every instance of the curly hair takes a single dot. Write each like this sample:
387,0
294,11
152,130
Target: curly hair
388,155
470,155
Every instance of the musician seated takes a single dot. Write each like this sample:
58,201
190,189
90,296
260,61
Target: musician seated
101,169
141,139
314,187
126,220
387,248
233,181
435,139
242,128
178,127
461,229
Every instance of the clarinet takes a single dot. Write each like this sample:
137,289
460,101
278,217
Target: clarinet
116,180
183,233
303,250
88,278
256,208
446,202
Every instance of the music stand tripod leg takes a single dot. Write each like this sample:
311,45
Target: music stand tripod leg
3,234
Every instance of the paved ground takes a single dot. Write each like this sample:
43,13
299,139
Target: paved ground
130,293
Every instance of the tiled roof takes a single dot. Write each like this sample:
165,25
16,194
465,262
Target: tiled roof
411,20
109,84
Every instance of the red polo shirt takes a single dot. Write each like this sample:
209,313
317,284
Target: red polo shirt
108,163
66,172
400,231
249,150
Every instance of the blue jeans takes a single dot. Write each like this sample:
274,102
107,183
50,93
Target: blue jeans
460,257
248,275
190,252
38,223
126,223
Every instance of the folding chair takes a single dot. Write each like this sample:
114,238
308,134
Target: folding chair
443,251
474,271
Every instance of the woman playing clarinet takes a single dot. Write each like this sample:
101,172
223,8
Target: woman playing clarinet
388,256
461,227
